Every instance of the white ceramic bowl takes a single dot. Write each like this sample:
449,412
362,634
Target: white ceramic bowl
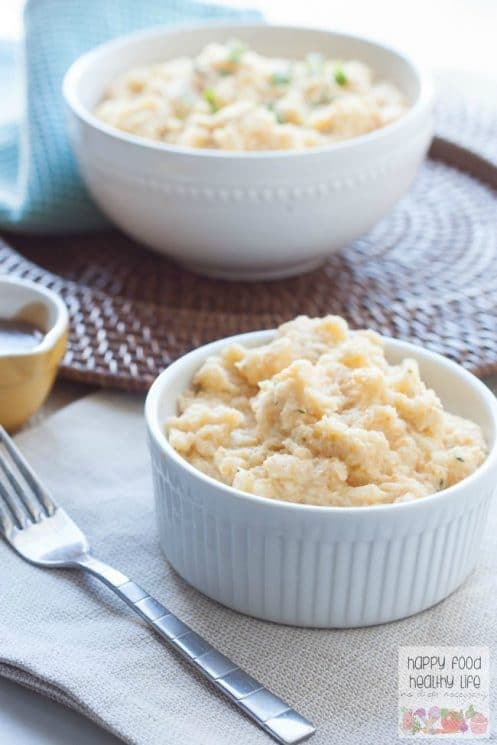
321,566
245,215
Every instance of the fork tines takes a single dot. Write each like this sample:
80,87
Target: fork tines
22,497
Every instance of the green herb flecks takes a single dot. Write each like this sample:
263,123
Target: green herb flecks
340,76
302,411
210,96
441,484
458,457
236,52
280,78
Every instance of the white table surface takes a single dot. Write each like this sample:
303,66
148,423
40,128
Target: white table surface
29,719
437,33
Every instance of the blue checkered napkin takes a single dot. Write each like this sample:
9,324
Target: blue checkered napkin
40,189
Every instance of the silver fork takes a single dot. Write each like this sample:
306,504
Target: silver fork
43,534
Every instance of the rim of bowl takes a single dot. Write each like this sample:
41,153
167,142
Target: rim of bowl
156,393
424,99
48,297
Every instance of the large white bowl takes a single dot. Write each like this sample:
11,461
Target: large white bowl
321,566
245,215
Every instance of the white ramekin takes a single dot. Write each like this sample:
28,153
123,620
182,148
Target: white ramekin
320,566
245,215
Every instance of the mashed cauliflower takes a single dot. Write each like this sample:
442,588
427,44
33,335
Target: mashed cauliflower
318,416
232,98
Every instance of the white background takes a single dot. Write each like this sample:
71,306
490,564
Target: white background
447,34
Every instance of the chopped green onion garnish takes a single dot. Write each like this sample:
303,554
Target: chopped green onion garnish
210,96
236,53
279,117
280,78
340,76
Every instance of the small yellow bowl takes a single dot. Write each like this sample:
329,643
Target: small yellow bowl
27,375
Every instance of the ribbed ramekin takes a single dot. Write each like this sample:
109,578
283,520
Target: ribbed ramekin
317,566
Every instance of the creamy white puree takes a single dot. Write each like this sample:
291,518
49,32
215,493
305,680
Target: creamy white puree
230,97
318,416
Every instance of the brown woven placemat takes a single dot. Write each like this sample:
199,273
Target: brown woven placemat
427,273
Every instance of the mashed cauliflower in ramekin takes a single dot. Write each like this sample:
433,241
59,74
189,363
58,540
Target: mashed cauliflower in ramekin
318,416
230,97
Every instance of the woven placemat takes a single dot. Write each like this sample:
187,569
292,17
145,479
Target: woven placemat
427,273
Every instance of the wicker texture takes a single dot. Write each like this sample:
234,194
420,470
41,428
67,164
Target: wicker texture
427,273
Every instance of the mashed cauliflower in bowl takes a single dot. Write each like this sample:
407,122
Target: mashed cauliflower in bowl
225,178
362,430
230,97
319,416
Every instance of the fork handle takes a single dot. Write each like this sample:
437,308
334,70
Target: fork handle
267,710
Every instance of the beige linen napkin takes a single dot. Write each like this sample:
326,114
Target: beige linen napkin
65,635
